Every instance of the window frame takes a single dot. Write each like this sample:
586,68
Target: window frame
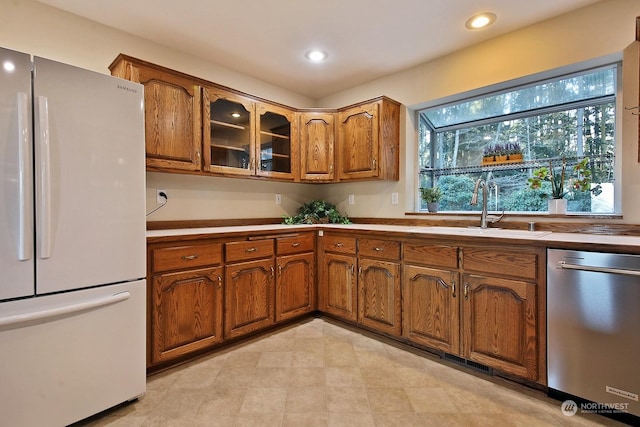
513,85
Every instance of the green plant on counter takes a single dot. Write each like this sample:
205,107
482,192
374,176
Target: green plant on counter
431,194
316,212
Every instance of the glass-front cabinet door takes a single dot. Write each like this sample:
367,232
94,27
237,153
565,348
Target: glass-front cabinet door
229,139
275,141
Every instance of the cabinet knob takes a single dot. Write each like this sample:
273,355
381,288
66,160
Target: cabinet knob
219,282
250,250
295,244
466,291
453,288
190,257
338,245
377,249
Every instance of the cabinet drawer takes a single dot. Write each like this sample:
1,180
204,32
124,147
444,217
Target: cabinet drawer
248,250
294,244
339,244
385,249
435,255
186,257
514,262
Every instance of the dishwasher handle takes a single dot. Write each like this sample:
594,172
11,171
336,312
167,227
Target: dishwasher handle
626,272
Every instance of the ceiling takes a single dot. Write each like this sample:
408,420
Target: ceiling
267,39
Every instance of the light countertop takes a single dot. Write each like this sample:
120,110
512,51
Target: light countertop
540,236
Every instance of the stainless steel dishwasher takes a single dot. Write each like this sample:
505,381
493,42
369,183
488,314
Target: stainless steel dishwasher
593,330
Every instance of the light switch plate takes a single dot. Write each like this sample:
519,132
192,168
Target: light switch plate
352,199
394,198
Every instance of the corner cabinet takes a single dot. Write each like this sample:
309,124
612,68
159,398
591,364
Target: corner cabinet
317,146
338,293
369,140
172,114
295,276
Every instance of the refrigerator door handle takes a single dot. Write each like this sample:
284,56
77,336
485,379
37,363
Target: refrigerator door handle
25,245
65,310
44,164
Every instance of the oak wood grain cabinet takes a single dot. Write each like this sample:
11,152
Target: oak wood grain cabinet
249,287
369,140
173,119
276,142
502,324
228,133
337,290
295,276
379,301
185,300
480,303
431,304
317,146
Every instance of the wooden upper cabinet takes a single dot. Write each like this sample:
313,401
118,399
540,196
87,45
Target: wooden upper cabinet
276,142
172,114
368,141
228,132
317,146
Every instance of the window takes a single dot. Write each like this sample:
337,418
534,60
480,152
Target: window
564,119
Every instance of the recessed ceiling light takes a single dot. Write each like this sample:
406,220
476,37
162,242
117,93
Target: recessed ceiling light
480,20
316,55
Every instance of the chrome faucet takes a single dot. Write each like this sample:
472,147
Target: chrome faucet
484,217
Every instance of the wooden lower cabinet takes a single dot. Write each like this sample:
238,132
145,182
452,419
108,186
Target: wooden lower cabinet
249,296
431,308
187,312
295,290
499,326
339,286
379,298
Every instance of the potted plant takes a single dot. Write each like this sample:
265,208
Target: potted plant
432,197
579,181
316,212
514,152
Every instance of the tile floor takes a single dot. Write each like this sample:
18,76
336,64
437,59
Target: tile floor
318,373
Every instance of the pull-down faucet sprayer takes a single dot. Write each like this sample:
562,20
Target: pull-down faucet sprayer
484,217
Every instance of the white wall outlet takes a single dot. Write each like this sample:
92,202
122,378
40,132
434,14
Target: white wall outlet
394,198
278,199
161,196
352,199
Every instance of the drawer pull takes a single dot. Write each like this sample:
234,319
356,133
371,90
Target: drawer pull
190,257
295,244
378,249
250,250
338,245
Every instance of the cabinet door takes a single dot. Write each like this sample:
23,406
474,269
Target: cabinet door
431,308
499,324
379,296
172,120
317,156
358,142
275,142
228,136
248,297
186,312
338,286
294,285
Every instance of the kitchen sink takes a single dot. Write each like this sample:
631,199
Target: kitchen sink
487,232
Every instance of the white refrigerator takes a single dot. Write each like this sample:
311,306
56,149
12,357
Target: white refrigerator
72,241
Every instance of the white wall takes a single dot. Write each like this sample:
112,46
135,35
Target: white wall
604,29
